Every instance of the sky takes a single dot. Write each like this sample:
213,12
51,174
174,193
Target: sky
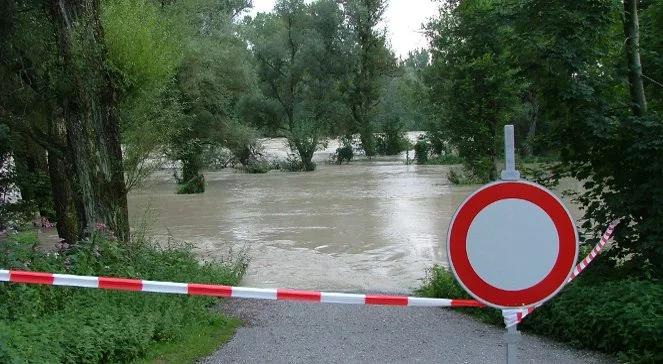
403,19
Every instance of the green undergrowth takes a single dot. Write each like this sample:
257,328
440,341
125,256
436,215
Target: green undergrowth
621,317
47,324
445,160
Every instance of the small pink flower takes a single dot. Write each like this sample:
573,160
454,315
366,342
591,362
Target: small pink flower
101,226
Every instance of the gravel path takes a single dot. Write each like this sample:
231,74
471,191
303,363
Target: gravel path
287,332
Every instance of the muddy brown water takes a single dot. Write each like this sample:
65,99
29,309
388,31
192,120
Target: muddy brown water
365,226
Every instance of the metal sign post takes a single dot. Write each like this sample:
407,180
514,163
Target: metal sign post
512,244
510,173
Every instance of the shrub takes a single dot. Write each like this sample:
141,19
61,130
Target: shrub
258,167
194,185
344,153
623,317
446,159
295,164
392,141
421,151
460,176
46,324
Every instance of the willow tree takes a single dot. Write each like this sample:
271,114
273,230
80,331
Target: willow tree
372,60
88,101
301,56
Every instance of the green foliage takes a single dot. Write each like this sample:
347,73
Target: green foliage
143,43
58,324
301,64
195,184
441,283
461,176
293,164
445,160
259,167
421,151
345,152
622,180
371,60
623,317
472,84
392,141
558,71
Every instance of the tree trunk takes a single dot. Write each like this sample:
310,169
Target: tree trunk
90,116
632,33
65,204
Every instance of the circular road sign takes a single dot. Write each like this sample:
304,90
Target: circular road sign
512,244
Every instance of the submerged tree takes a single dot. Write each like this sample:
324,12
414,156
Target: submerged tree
301,61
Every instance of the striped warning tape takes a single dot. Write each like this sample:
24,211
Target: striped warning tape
514,316
511,316
195,289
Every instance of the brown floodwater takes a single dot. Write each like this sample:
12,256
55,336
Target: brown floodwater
365,226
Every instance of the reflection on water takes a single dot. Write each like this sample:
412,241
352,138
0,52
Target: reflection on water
365,226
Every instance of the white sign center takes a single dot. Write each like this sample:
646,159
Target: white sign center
507,227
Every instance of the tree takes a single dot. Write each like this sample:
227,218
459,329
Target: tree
301,60
473,87
372,60
574,56
635,79
89,109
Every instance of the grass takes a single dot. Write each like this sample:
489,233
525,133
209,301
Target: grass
49,324
197,341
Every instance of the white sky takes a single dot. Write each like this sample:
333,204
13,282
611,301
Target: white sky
403,19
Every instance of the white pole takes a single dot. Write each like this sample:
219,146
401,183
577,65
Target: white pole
510,173
511,338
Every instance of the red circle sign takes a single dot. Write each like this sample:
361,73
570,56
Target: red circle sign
512,244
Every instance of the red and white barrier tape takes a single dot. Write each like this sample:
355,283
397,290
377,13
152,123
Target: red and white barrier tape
195,289
514,316
511,316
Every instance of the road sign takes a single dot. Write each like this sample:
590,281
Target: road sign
512,244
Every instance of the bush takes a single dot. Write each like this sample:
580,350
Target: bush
258,167
446,160
46,324
392,141
459,176
623,317
421,151
194,185
295,164
344,153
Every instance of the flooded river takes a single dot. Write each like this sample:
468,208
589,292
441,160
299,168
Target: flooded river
365,226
